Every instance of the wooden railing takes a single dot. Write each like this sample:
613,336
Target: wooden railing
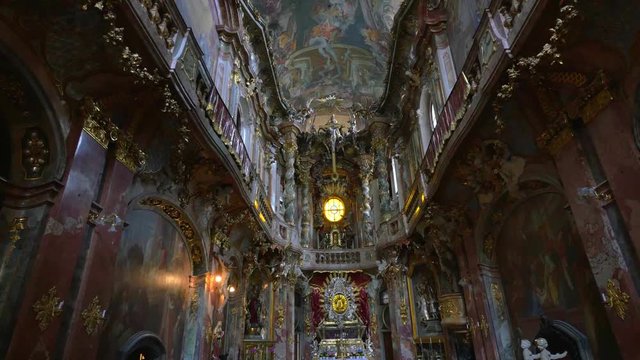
453,110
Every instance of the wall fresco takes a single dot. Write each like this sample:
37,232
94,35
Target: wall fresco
200,16
545,272
152,283
463,20
329,47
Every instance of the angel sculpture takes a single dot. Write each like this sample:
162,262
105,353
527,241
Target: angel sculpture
526,350
545,354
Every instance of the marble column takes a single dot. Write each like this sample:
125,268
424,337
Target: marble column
290,150
304,175
380,134
484,342
285,321
366,170
373,290
404,347
42,308
607,251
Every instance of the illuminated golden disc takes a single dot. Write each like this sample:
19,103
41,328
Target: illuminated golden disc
339,303
333,209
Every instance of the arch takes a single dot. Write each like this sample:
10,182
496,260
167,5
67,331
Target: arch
184,225
542,266
534,181
143,342
54,121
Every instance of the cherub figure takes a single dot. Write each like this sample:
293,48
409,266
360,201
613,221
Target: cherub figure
526,350
545,354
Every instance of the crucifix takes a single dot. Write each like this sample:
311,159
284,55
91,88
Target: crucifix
334,130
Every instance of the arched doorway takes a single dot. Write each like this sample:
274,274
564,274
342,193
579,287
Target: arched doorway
143,345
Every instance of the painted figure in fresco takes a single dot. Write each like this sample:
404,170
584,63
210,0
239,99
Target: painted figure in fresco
526,350
545,354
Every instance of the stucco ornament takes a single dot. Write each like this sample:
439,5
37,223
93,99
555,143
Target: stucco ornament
527,354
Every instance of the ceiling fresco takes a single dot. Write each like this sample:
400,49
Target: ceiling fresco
329,53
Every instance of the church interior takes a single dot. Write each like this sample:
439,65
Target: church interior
319,180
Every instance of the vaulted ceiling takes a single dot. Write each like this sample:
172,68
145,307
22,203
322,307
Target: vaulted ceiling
329,54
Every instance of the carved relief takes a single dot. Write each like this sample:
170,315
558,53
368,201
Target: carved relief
452,309
35,153
490,168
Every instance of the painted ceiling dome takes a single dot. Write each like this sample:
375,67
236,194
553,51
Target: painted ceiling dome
329,54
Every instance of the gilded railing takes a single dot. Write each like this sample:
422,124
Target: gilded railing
258,350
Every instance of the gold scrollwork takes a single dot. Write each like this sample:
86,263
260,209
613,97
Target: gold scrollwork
16,226
129,153
484,326
47,307
617,299
93,316
499,300
99,127
190,235
280,317
449,309
404,316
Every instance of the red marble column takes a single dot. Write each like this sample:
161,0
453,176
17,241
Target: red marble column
475,299
58,254
605,257
404,348
99,269
285,327
613,139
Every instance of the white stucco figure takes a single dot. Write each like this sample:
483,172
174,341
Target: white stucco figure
526,350
545,354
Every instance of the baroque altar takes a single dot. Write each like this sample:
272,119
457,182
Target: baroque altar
341,320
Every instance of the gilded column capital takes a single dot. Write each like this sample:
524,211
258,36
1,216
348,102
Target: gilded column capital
303,167
365,161
379,135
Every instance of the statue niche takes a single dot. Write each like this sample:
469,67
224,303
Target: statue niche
256,306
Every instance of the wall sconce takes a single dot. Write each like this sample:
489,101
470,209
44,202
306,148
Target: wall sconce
112,219
232,289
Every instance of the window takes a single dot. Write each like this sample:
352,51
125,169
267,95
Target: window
333,209
434,117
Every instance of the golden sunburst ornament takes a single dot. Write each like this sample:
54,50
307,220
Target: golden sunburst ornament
339,303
